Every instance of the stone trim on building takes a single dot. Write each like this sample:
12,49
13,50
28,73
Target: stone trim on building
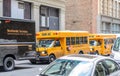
35,11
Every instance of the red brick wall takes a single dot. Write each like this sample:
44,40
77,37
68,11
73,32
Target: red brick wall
94,15
79,15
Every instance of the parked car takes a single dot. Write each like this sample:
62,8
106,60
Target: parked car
81,65
117,73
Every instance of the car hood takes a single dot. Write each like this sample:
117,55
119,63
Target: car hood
117,73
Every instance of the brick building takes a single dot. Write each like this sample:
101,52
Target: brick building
47,14
95,16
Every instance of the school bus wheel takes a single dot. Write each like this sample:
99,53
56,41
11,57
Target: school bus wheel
96,52
51,58
81,52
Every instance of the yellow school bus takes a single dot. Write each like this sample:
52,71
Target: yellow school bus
54,44
101,43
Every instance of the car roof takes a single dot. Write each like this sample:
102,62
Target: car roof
84,57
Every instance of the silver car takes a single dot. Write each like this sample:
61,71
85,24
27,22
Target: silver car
81,65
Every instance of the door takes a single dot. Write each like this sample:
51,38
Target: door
57,49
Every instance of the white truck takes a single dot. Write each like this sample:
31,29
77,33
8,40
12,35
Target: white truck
116,49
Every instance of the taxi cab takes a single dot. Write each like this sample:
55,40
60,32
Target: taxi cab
81,65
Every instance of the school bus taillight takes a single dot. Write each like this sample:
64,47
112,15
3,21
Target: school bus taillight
37,34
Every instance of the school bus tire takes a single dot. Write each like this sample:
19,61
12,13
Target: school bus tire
33,61
81,52
8,64
96,52
51,58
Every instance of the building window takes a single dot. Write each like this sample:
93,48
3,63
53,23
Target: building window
20,5
49,18
27,10
119,11
115,28
17,9
44,16
7,8
110,7
106,27
116,9
102,6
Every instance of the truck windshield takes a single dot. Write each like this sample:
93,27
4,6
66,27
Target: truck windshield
93,43
116,45
46,43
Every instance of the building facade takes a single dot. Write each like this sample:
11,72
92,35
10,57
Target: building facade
47,14
95,16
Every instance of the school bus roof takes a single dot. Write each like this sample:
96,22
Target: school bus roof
101,36
60,34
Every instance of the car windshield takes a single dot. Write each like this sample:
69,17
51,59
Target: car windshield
62,67
46,43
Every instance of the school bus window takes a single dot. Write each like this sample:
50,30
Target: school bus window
77,40
105,41
108,41
81,40
85,40
57,43
68,41
72,40
45,43
99,43
111,40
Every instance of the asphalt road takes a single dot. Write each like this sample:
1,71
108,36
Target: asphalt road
24,68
